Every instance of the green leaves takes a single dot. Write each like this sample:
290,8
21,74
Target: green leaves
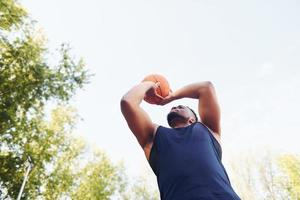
99,179
11,14
290,166
266,175
27,83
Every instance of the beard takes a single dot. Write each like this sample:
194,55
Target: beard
174,116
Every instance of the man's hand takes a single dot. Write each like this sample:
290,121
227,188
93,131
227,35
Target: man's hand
152,93
171,97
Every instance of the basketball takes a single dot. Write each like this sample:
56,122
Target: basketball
162,90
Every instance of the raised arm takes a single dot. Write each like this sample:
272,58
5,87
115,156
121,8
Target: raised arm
137,119
208,107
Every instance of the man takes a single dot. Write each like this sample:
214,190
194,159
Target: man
186,158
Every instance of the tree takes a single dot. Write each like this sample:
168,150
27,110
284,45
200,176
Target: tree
242,168
269,177
290,168
99,179
142,190
61,165
11,14
266,175
143,187
27,83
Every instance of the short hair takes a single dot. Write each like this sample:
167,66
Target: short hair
195,115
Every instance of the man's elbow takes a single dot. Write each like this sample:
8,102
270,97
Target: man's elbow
206,87
124,105
124,101
209,84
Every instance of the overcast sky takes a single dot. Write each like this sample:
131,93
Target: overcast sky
250,50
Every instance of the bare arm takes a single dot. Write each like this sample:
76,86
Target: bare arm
137,119
208,106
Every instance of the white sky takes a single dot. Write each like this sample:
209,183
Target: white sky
248,49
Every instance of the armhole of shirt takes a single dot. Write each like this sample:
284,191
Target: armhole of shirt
211,132
215,140
154,139
152,148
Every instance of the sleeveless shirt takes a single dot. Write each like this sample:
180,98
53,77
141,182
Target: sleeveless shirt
187,164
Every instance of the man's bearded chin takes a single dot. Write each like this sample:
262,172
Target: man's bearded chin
174,116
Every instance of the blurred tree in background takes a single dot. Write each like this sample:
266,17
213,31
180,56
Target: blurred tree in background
100,179
11,13
290,167
266,175
144,187
27,84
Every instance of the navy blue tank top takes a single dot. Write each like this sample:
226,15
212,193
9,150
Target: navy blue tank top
187,164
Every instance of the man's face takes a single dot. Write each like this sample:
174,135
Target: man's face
179,113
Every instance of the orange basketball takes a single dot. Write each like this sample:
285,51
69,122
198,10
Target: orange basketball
162,90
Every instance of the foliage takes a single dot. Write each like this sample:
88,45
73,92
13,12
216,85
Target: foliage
242,177
27,83
290,166
99,179
60,168
266,176
11,14
142,188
